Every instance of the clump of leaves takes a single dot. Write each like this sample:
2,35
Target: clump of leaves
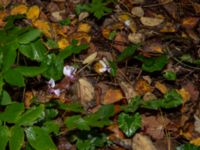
189,59
169,75
97,7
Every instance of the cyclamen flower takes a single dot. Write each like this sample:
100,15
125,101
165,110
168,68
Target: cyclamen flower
69,71
102,66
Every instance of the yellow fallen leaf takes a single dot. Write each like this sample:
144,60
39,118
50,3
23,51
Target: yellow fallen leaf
28,98
184,94
84,27
81,37
33,12
62,43
19,9
106,32
143,87
168,28
123,17
112,96
3,14
43,26
195,141
128,21
161,87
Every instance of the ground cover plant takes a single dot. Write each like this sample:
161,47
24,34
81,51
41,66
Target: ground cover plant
99,74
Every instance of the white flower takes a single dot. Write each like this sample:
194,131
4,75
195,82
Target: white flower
55,91
102,66
51,83
69,71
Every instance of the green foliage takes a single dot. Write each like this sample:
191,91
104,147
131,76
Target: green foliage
51,126
97,7
188,147
169,75
153,64
29,36
51,44
133,105
65,22
4,136
112,35
73,107
189,59
97,119
129,51
5,98
129,124
113,68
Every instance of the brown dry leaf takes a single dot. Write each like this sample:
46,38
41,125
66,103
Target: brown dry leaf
56,16
116,131
197,124
193,90
28,98
3,15
120,38
171,7
19,9
63,43
106,32
81,37
196,7
190,22
168,27
43,26
85,91
4,3
142,87
84,27
151,22
136,38
111,96
154,126
137,11
184,94
33,12
195,141
128,90
90,59
153,46
149,96
142,142
161,87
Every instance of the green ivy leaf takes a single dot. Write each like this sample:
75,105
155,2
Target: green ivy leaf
39,139
14,78
169,75
29,36
4,136
129,124
188,147
16,139
129,51
30,71
12,112
31,115
153,104
74,107
5,98
133,105
153,64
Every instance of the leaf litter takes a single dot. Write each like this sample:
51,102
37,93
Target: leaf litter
99,74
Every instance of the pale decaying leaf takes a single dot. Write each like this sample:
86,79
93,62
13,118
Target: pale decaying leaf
90,59
128,90
85,91
83,15
149,21
149,96
197,124
142,142
111,96
19,9
137,11
136,38
33,12
161,87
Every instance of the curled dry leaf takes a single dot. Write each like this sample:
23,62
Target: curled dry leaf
161,87
111,96
136,38
84,27
137,11
142,87
190,22
128,90
85,91
28,97
151,22
90,59
33,12
116,131
193,90
19,9
83,15
139,142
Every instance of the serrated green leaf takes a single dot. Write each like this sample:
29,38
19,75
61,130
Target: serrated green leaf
30,71
153,64
16,139
29,36
51,126
39,139
153,104
5,98
12,112
129,124
4,136
74,107
129,51
14,78
31,115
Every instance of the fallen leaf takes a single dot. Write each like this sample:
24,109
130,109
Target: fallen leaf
83,15
106,32
193,90
3,15
149,96
137,11
142,87
197,124
190,22
82,37
161,87
4,3
33,12
43,26
128,90
195,141
196,7
19,9
120,38
90,59
141,142
63,43
84,27
151,22
28,97
112,95
136,38
116,131
184,94
85,91
128,22
168,27
56,16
